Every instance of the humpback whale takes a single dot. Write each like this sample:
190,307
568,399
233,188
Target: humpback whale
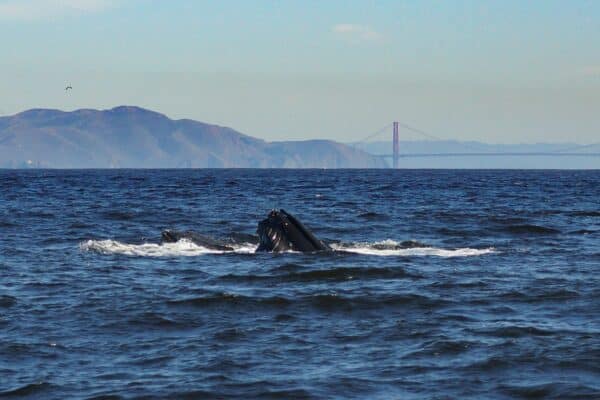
281,231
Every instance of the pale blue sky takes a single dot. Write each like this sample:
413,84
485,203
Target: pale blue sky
495,71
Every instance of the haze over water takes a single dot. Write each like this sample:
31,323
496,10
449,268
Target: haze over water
445,284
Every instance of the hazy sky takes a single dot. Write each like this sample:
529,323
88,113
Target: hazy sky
496,71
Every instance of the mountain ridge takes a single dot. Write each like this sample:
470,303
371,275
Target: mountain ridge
135,137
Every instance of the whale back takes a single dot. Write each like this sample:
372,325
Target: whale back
172,236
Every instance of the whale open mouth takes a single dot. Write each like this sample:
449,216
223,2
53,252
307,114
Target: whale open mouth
281,231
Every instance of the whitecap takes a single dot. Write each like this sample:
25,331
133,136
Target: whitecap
180,248
390,247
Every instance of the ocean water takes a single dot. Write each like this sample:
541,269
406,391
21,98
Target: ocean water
444,284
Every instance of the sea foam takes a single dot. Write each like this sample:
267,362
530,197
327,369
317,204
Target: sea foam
187,248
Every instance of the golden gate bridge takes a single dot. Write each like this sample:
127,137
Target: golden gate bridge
572,151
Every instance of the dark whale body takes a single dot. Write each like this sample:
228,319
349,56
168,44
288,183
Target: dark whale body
170,236
281,231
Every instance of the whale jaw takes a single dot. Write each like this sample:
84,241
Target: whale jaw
281,231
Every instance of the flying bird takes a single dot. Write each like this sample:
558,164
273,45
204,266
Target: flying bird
69,87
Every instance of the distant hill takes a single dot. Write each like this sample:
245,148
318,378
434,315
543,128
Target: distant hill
133,137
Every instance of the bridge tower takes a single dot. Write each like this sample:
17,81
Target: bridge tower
396,144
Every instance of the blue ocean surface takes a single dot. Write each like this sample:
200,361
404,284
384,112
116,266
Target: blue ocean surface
445,284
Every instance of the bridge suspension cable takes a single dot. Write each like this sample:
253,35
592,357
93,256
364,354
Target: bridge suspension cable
419,131
376,133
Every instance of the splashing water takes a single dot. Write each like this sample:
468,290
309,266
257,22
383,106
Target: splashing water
187,248
182,247
392,248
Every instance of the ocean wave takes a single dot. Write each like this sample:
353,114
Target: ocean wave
7,301
531,229
588,213
323,301
320,275
7,224
27,389
373,216
223,299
